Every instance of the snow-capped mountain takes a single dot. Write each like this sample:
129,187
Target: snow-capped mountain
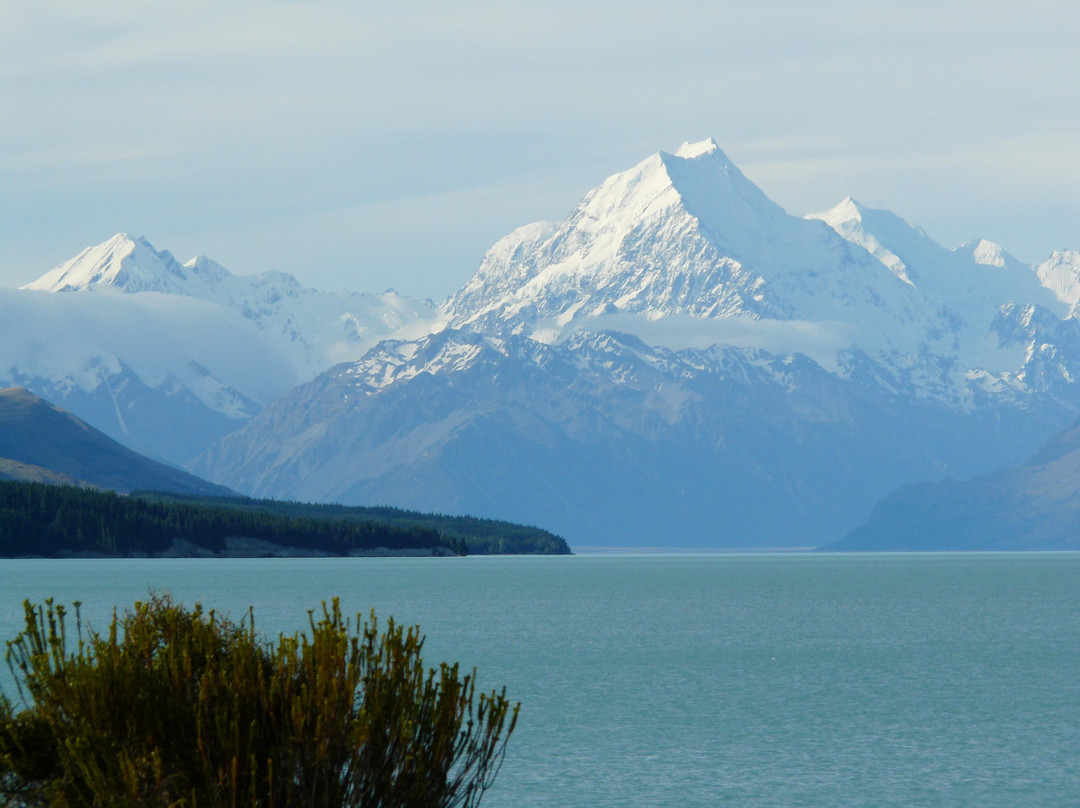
168,357
682,362
314,329
968,285
684,251
1060,273
688,236
128,264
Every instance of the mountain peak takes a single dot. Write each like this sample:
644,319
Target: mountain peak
985,252
115,262
691,151
848,210
688,235
122,241
128,263
208,269
661,236
19,394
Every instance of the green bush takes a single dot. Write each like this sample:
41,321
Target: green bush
183,708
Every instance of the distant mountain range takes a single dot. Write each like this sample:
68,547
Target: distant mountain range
677,363
168,357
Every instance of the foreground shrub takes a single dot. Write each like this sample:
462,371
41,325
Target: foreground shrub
183,708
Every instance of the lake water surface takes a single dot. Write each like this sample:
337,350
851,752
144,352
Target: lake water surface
705,680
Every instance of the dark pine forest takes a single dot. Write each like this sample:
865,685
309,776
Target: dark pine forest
49,520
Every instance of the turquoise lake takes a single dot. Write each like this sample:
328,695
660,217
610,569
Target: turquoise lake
704,680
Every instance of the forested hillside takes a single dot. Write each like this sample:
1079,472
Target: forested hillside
48,520
37,519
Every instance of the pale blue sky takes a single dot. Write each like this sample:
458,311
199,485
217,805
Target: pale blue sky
363,145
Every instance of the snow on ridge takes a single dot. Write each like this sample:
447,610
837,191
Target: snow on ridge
689,151
1060,273
848,210
969,285
985,252
621,358
312,329
582,255
208,269
214,393
686,234
680,239
393,361
98,264
847,219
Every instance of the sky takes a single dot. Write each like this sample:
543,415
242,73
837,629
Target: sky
387,145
